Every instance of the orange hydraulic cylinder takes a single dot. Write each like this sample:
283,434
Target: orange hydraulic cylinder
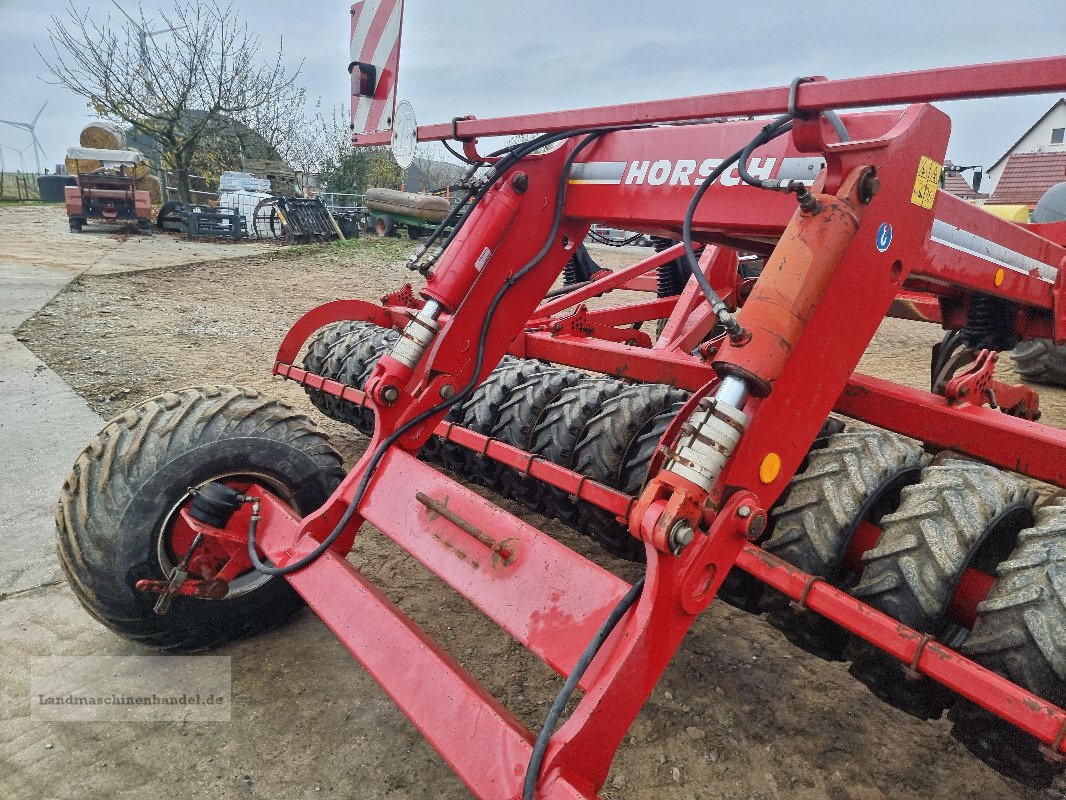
786,293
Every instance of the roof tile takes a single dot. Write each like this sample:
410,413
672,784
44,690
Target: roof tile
1026,176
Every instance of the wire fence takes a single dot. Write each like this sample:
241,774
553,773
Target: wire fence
19,186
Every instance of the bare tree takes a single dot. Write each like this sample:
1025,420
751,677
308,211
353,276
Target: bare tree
178,89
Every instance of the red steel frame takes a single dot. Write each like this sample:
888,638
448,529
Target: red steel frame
545,595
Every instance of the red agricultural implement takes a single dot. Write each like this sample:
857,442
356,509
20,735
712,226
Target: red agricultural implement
713,450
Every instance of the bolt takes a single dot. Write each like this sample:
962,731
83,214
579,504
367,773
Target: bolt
520,182
744,512
389,395
680,536
869,186
447,391
756,527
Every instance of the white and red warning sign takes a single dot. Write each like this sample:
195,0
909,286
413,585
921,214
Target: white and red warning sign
375,54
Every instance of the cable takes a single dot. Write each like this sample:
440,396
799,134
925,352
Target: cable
769,132
457,154
606,240
465,392
536,758
509,156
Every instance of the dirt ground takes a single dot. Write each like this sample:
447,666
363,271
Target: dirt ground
739,714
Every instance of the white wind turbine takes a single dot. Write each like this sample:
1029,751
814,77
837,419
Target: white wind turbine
30,126
22,160
143,34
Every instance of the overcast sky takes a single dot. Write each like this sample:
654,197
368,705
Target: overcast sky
498,57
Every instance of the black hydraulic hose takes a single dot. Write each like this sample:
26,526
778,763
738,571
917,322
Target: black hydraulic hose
462,394
768,133
536,759
771,131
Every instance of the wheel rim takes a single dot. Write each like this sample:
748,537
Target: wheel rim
379,227
174,536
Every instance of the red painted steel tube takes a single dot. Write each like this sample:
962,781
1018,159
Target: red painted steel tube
573,483
630,313
1029,76
619,360
1005,699
1010,443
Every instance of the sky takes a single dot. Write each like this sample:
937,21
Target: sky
498,57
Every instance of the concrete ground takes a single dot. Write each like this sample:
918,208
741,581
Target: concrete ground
39,237
44,424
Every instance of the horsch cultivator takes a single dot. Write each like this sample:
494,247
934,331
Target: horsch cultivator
910,541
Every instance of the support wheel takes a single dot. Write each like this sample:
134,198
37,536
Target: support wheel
1040,361
518,415
961,514
481,413
556,436
1020,633
358,354
605,451
118,511
855,479
320,359
384,226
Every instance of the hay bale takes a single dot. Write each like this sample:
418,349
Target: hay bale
103,134
152,185
78,165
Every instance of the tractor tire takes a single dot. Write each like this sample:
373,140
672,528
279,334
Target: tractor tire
169,216
518,416
555,438
960,514
320,359
442,452
605,450
358,354
481,412
384,226
112,521
1020,634
417,232
1040,361
856,477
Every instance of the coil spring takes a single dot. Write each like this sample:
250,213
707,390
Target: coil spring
672,276
989,323
570,272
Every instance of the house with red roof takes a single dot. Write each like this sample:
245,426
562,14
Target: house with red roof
1033,164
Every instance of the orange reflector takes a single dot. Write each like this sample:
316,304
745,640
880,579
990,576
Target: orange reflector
771,465
1000,275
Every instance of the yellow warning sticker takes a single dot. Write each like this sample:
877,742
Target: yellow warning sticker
926,182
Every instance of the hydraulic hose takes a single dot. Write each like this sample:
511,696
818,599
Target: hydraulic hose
536,758
459,396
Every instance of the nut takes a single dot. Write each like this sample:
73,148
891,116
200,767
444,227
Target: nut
447,391
389,395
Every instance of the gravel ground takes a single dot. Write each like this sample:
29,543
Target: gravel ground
739,713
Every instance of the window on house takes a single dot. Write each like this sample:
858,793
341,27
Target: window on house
1057,135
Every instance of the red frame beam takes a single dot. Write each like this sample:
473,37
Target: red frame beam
1030,76
1014,444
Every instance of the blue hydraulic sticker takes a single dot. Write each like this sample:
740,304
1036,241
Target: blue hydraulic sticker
884,237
